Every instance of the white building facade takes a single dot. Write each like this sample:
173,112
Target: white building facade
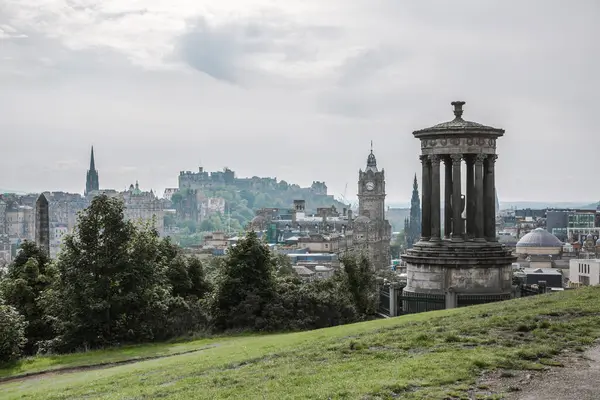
584,272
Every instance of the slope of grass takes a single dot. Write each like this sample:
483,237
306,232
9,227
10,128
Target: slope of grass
424,356
35,365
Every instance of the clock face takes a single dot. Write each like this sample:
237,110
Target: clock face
370,186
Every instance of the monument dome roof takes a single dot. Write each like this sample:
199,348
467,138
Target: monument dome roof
458,124
539,238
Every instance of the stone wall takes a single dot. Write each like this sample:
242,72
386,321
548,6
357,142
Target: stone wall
463,279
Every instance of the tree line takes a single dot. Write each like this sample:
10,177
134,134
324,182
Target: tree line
116,282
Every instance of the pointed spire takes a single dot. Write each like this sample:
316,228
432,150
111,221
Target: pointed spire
91,182
371,162
415,184
92,162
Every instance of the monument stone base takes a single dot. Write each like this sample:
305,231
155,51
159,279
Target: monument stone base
468,272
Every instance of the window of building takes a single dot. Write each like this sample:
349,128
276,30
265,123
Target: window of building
584,280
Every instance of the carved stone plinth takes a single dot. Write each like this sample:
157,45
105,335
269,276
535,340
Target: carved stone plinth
462,267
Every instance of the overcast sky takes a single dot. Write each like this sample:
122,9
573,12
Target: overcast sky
295,89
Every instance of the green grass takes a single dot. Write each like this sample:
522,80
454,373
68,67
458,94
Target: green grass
423,356
35,365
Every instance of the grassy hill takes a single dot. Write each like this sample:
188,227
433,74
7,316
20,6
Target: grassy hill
423,356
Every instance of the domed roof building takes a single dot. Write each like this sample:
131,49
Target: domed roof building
539,238
540,247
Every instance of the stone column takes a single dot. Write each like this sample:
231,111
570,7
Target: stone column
479,206
425,197
470,197
457,223
489,198
448,197
435,198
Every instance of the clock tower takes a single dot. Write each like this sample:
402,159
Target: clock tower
371,231
371,190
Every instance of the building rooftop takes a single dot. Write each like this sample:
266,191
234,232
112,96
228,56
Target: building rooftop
539,237
540,271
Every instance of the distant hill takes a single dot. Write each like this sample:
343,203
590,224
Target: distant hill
505,205
2,191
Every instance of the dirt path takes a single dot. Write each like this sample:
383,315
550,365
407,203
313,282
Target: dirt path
578,380
66,370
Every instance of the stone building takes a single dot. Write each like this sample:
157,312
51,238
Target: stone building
327,228
169,192
64,208
211,205
143,207
2,217
205,180
319,187
467,264
20,221
371,230
5,251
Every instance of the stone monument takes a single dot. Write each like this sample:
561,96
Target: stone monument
42,223
466,265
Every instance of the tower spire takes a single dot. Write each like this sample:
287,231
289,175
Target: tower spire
371,161
92,163
91,181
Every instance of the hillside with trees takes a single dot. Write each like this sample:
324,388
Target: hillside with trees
242,200
116,282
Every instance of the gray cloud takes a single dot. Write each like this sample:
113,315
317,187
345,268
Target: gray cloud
299,94
238,50
215,52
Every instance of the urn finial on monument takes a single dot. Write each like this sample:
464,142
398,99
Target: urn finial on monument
458,111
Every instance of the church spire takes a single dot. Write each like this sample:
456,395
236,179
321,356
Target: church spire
92,163
91,181
414,226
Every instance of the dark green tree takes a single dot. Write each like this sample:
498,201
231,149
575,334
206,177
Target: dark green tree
27,277
283,265
244,286
360,279
199,284
186,274
112,286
